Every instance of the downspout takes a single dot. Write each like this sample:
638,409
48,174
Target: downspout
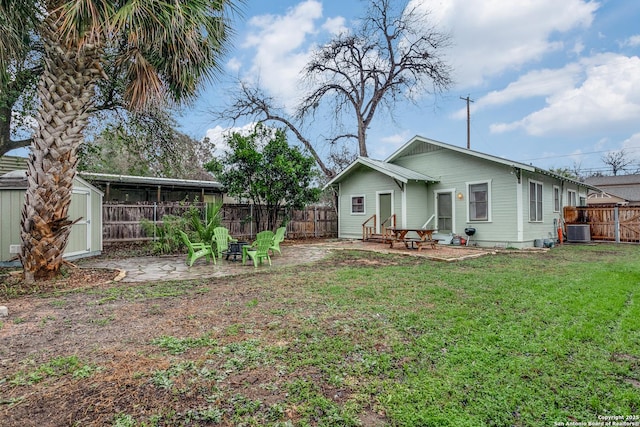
519,205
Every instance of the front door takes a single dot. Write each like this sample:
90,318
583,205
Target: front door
445,212
384,212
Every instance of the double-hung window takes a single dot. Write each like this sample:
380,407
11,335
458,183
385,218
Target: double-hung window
556,198
357,205
479,201
535,201
571,198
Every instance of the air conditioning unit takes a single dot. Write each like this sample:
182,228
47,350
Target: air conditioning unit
578,233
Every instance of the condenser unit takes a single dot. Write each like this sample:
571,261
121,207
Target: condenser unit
578,233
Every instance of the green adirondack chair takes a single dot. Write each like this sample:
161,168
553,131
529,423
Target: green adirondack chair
196,250
277,239
221,238
259,250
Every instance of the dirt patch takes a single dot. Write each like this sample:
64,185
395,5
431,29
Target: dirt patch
72,277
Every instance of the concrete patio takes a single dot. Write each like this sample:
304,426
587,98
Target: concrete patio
173,267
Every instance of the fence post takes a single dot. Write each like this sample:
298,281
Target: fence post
315,221
616,226
155,220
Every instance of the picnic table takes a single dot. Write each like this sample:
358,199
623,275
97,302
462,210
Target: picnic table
425,237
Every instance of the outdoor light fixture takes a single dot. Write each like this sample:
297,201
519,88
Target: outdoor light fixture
460,196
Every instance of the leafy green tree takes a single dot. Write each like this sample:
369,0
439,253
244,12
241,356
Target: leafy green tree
147,145
163,50
261,167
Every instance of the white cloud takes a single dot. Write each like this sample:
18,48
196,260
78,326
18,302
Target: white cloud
218,135
390,143
281,48
335,25
632,41
631,146
493,36
533,84
234,64
608,96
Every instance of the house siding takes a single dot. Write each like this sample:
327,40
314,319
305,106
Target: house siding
502,224
418,206
368,183
452,170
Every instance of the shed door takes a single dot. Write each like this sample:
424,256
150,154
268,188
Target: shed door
445,212
80,237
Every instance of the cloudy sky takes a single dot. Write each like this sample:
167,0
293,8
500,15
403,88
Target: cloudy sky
553,83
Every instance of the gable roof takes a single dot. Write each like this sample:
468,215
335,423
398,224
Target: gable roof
419,144
394,171
605,181
626,187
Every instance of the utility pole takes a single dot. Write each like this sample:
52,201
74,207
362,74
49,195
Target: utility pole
468,121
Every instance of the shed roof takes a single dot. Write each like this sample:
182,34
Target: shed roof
17,180
143,180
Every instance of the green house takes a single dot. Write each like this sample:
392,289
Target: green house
430,184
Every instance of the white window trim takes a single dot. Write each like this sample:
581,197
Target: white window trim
364,204
468,201
558,191
541,184
571,202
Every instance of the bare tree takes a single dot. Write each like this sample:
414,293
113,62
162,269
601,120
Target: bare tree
393,55
617,160
254,103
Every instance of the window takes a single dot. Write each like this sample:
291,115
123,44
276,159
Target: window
479,201
571,198
535,201
357,204
556,199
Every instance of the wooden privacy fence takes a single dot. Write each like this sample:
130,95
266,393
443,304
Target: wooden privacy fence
122,222
615,223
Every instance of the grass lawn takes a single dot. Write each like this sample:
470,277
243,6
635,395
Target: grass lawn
516,339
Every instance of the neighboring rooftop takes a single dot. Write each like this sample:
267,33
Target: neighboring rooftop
626,187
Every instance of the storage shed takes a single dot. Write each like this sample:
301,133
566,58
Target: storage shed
86,203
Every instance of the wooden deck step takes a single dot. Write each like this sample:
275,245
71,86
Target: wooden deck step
378,238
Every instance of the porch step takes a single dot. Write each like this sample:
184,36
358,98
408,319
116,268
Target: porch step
378,238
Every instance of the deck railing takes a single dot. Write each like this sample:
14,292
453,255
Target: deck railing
387,235
369,229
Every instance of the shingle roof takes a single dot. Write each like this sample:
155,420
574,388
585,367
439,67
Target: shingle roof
626,187
399,173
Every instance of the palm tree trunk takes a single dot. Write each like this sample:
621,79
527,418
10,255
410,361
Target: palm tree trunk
65,93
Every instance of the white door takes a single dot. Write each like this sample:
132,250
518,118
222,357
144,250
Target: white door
80,236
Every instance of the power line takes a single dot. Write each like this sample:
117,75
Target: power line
579,154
